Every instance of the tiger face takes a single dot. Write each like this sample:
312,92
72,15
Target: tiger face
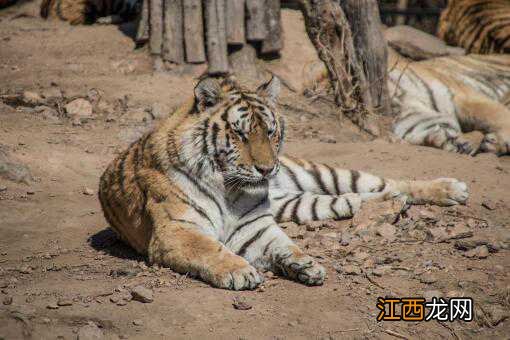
243,131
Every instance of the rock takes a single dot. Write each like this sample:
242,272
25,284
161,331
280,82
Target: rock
454,293
469,244
159,111
241,304
429,294
428,215
137,115
437,234
350,270
346,238
88,191
52,306
25,270
480,252
52,93
64,302
12,170
374,213
7,300
381,270
387,231
90,332
489,204
138,322
46,112
32,98
4,284
142,294
428,278
3,188
79,108
46,320
418,45
459,231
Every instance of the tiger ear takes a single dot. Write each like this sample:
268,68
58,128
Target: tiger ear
207,92
271,89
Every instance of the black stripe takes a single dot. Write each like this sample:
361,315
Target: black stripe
351,213
122,176
332,207
195,207
266,248
294,216
281,211
215,130
244,247
314,209
239,227
411,129
382,185
427,88
335,179
278,198
254,207
318,178
354,180
170,218
293,177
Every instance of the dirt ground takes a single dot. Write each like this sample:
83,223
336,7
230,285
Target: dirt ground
63,273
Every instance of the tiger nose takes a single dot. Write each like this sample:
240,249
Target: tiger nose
264,170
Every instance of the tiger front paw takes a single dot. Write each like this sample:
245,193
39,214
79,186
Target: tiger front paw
302,268
244,277
449,191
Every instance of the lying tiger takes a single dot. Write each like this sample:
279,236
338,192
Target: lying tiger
204,191
443,100
479,26
78,12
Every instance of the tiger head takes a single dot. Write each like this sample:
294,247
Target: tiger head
239,133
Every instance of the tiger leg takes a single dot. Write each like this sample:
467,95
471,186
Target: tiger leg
296,176
185,248
261,242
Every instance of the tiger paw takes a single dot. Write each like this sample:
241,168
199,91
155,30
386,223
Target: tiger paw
244,278
449,191
304,269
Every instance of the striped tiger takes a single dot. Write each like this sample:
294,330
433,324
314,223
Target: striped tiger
203,192
79,12
479,26
445,102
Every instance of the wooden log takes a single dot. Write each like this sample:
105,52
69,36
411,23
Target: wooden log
194,31
142,31
371,48
235,22
273,42
173,36
401,6
156,26
216,36
256,29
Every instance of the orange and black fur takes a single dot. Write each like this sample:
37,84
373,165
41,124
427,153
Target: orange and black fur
203,192
479,26
78,12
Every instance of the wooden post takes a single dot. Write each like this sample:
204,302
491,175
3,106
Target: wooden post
235,22
173,38
370,47
216,36
194,31
156,26
142,31
256,29
273,42
401,5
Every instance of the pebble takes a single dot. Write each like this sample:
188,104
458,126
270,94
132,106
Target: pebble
7,300
138,322
78,108
142,294
387,231
25,270
381,270
52,306
241,304
88,191
33,98
46,320
3,188
90,332
480,252
428,278
489,204
64,302
459,230
429,294
351,270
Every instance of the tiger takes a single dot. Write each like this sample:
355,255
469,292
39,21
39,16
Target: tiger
78,12
447,102
479,26
203,192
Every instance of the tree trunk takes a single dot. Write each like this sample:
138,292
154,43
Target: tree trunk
156,26
235,22
401,5
273,42
194,31
142,32
216,36
256,29
329,31
370,47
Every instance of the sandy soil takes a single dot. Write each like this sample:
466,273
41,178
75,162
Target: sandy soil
56,248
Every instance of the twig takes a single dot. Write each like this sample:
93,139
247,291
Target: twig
395,334
452,332
373,282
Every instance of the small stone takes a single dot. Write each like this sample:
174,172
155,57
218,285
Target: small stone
269,274
142,294
428,215
114,298
489,204
64,302
292,323
497,314
25,270
459,231
46,320
4,284
480,252
90,332
159,111
381,270
138,322
387,231
32,98
374,213
454,293
52,306
7,300
429,294
51,93
438,234
79,108
3,188
351,270
428,278
241,304
88,191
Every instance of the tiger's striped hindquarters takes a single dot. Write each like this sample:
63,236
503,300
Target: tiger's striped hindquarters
203,192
